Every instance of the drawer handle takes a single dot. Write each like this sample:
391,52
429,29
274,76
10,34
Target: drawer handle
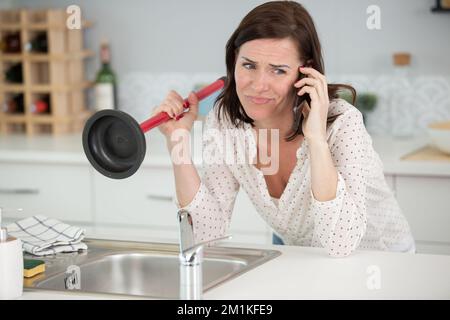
19,191
158,197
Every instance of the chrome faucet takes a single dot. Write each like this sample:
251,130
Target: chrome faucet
191,258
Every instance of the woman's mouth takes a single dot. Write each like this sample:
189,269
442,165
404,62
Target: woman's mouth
259,100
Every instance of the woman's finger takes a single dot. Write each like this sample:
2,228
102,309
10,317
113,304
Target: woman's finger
179,117
175,111
311,72
169,109
175,103
157,110
193,103
174,95
317,84
311,91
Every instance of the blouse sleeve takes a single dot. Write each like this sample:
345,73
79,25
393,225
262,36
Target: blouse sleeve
212,206
340,223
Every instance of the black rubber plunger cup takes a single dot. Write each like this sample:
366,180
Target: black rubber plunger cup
114,142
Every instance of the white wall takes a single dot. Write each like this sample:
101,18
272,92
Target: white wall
5,4
190,36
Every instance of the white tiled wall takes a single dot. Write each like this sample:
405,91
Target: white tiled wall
405,104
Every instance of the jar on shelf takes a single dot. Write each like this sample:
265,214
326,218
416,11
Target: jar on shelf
14,73
11,43
14,104
41,105
38,43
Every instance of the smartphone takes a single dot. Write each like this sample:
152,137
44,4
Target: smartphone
304,97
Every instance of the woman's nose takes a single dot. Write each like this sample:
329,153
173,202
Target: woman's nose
260,82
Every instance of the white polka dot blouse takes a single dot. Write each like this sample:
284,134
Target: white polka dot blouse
364,214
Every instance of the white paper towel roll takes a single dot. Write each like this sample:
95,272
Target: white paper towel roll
11,269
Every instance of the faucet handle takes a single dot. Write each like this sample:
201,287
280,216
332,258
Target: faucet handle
190,253
194,248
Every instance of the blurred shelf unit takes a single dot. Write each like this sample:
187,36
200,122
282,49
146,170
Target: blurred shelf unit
442,6
440,10
42,82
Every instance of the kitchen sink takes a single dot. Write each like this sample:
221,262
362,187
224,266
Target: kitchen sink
140,269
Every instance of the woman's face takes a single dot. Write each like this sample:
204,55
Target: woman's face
265,72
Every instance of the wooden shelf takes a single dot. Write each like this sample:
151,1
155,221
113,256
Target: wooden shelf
42,118
13,118
16,88
56,77
440,10
10,27
39,26
11,57
43,57
45,88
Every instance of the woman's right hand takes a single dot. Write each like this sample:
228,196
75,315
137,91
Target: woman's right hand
173,106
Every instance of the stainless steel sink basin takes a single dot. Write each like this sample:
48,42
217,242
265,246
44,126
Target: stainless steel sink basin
141,269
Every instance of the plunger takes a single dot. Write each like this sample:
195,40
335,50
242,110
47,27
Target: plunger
114,142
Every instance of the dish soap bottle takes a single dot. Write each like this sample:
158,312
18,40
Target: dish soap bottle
11,265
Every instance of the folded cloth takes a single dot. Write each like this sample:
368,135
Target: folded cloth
41,235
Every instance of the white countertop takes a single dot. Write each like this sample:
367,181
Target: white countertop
300,272
68,149
308,273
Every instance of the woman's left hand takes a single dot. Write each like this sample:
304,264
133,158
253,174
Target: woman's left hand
315,123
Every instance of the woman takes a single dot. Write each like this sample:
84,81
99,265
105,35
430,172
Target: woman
328,189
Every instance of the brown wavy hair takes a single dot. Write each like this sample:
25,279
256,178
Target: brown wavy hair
275,20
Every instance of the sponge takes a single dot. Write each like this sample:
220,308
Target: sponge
32,267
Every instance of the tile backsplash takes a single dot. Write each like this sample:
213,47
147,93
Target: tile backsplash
406,105
139,93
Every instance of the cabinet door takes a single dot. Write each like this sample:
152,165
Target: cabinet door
425,202
58,191
144,199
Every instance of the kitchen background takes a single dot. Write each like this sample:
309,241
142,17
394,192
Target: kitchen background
161,45
154,39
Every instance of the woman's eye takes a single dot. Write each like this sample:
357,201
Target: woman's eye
280,71
248,66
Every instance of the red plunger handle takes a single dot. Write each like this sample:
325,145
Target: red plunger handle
201,94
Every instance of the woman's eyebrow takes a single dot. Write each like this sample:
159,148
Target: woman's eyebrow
272,65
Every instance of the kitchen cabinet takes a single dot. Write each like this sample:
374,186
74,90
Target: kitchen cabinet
76,193
426,205
146,199
143,199
58,191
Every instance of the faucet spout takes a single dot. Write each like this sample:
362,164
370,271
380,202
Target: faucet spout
191,258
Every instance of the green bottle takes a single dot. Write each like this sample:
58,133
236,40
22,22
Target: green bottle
105,84
14,74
